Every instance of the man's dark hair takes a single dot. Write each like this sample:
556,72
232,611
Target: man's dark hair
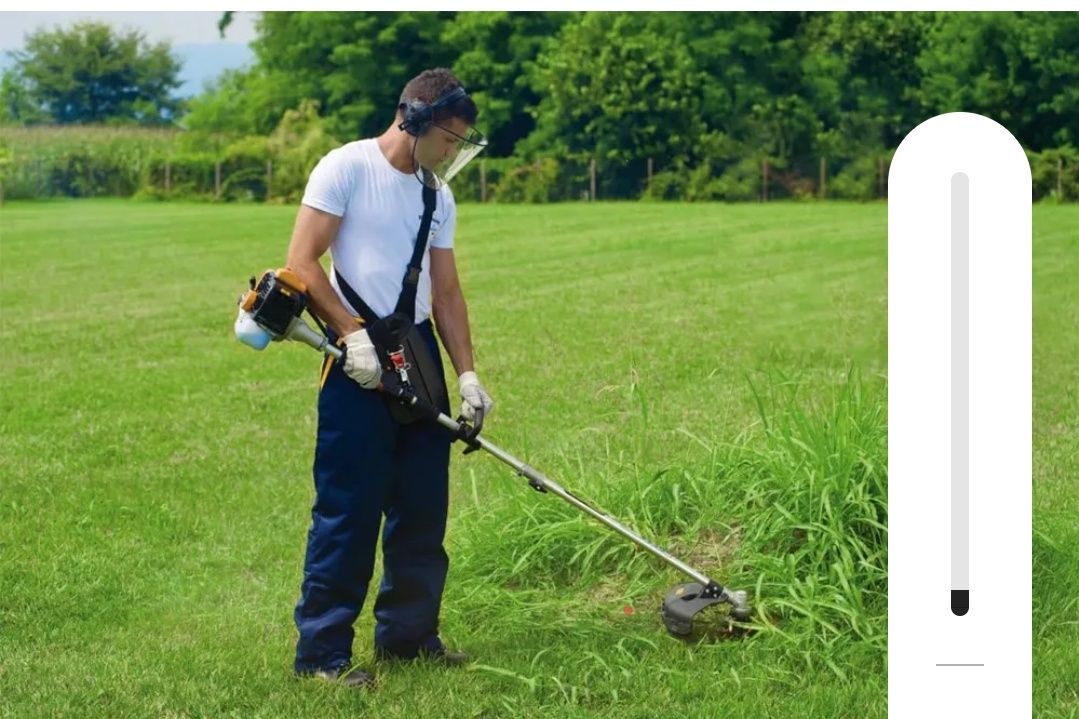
429,86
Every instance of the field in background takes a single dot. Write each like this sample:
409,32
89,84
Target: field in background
713,374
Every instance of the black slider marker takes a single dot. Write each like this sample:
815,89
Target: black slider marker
960,601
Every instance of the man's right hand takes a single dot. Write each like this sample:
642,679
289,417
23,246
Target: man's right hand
361,360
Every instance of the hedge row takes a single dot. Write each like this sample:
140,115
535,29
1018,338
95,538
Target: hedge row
90,162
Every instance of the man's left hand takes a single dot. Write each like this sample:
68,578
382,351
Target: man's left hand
473,397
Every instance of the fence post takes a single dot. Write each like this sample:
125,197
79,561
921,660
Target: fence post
269,178
823,178
592,171
483,180
168,177
1060,178
217,180
764,183
649,172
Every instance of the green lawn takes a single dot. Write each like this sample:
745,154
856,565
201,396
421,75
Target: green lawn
709,373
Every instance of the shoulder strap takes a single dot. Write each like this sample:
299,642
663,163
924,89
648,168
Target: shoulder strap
406,302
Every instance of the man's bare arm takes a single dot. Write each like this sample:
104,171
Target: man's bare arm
312,235
450,310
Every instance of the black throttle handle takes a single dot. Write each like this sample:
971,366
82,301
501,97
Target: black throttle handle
468,434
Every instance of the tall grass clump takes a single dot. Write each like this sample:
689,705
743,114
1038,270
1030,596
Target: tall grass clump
794,509
543,542
809,486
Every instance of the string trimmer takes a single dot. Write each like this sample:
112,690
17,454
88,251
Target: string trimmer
271,311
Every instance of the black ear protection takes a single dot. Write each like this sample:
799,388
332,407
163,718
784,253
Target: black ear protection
419,115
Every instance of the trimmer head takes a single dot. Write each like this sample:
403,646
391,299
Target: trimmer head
686,601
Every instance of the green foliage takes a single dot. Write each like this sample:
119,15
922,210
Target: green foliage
5,166
16,105
51,161
812,493
860,69
353,63
1018,68
273,167
708,96
534,182
231,104
91,74
741,180
619,86
190,176
1055,174
497,52
296,145
858,180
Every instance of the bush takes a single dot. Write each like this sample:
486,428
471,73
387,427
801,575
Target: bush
857,180
253,167
296,145
534,182
244,173
740,180
467,184
1045,168
666,185
97,161
191,176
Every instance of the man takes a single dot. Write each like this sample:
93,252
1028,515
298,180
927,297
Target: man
365,202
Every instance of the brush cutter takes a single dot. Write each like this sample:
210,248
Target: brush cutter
271,311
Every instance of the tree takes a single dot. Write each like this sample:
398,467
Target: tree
711,93
16,106
1018,68
860,71
623,86
92,74
496,53
354,64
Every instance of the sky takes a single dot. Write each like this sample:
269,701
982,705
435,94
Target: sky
194,37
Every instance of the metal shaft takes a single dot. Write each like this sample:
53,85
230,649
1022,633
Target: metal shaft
537,478
553,487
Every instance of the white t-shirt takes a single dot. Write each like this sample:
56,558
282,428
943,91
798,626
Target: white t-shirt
380,209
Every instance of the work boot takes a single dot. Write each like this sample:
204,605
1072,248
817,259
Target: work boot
445,656
356,677
439,655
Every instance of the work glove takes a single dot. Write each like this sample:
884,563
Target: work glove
473,397
361,360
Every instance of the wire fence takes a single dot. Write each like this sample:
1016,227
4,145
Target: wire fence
586,179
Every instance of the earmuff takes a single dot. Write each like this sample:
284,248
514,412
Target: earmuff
419,115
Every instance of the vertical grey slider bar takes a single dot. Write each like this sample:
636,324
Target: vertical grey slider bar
960,383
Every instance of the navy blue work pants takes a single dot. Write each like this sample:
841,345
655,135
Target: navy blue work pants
368,466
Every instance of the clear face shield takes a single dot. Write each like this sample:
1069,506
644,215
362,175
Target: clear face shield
442,153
